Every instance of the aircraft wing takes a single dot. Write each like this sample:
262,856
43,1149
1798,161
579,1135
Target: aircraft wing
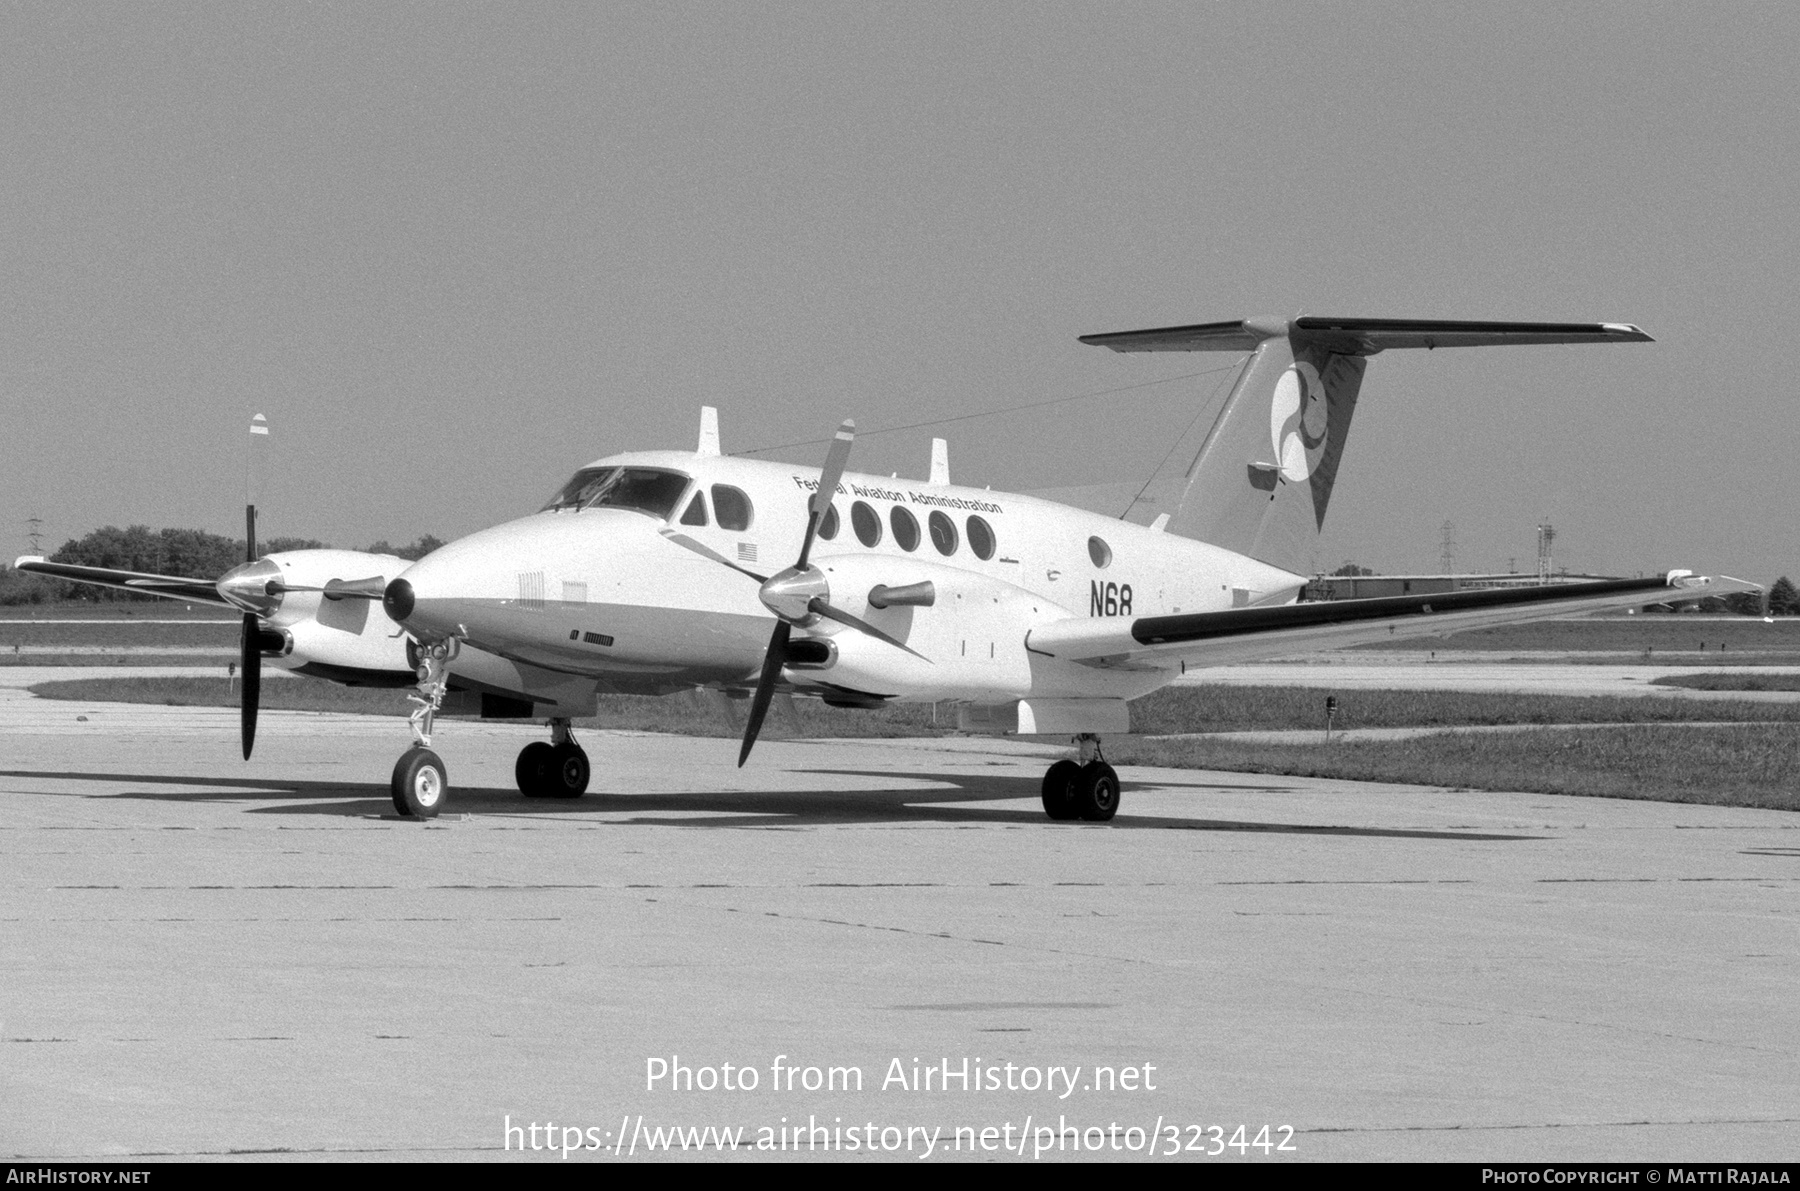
174,587
1255,634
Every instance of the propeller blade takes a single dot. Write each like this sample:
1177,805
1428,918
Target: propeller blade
843,617
687,543
765,687
249,647
250,662
835,460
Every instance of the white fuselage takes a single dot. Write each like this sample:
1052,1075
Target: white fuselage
600,595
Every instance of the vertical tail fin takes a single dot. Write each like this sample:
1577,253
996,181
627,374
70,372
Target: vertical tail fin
1262,479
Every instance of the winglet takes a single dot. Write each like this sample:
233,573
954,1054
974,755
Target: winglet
709,431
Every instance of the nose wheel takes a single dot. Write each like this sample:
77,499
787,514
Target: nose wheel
1087,789
557,768
420,783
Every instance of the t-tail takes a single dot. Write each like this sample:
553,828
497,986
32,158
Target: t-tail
1262,478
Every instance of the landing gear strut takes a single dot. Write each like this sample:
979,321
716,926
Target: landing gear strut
1087,789
557,768
420,782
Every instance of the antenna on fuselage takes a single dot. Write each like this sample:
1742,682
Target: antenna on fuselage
709,431
940,461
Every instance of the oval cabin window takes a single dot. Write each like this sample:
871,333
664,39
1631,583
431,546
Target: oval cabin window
906,528
866,524
981,538
828,524
1100,552
943,533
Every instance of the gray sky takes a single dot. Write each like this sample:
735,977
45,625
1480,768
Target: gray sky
455,251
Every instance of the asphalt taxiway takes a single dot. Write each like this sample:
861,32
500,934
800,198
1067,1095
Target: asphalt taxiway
208,957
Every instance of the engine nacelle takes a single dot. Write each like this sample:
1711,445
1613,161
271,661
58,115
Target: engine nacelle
346,640
972,631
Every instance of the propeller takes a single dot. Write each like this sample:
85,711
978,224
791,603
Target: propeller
249,650
239,582
798,596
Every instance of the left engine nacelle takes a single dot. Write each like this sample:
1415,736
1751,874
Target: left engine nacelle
347,640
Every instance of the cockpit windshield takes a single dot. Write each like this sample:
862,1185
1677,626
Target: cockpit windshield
646,489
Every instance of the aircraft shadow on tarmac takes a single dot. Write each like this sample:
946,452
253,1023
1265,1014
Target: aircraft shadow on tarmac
955,798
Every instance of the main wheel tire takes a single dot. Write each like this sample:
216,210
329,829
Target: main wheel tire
1097,792
568,773
420,783
534,769
1059,790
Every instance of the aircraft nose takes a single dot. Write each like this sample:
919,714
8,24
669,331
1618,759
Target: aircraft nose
397,601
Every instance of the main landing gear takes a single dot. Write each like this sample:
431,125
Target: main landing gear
1086,789
557,768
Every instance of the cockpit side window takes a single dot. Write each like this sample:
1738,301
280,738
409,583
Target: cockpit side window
696,511
644,489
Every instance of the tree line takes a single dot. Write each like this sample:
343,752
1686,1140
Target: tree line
190,553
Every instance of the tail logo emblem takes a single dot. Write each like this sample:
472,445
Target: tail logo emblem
1298,419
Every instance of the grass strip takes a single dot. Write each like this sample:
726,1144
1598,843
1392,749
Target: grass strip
1630,634
1738,765
1739,681
1248,709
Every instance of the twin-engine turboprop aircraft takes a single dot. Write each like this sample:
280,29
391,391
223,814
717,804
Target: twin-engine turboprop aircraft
663,571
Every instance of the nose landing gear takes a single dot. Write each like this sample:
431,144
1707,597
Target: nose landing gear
557,768
421,783
1088,789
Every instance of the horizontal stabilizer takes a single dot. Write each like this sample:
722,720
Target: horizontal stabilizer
1253,634
1361,336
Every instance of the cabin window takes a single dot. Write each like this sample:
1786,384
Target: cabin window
696,510
643,489
906,528
828,524
866,524
943,533
731,506
981,538
1100,552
